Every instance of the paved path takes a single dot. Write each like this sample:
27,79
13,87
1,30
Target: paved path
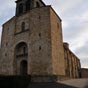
80,83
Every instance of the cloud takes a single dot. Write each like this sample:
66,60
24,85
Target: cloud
0,33
84,62
7,10
83,51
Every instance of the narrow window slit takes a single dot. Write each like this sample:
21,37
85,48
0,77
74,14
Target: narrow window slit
39,47
40,35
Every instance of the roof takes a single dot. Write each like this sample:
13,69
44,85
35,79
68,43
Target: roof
39,0
84,69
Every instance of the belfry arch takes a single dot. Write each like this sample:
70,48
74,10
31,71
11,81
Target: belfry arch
21,59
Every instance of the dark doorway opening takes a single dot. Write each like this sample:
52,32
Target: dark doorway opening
23,67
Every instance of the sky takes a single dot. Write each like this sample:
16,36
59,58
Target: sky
74,15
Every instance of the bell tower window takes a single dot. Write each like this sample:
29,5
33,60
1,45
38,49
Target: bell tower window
28,5
37,4
23,6
20,8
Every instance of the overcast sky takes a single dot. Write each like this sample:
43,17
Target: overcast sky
74,15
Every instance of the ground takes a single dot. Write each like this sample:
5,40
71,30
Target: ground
80,83
25,82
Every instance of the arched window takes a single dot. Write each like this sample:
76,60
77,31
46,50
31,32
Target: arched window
28,5
20,8
23,26
37,4
21,49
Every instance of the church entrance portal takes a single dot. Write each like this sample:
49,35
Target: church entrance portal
21,58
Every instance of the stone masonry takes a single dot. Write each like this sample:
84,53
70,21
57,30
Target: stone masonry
32,43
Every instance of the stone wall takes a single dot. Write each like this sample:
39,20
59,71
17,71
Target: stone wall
72,63
84,73
57,44
6,67
40,42
42,34
37,36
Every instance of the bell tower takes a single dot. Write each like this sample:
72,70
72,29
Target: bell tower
32,42
23,6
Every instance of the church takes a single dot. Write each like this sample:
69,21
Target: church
32,44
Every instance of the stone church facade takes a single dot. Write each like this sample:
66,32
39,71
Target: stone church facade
32,43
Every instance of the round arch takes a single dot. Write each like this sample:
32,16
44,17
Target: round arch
21,58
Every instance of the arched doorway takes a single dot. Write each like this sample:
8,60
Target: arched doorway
23,67
21,58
